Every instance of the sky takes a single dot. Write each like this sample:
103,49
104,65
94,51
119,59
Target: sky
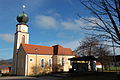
50,22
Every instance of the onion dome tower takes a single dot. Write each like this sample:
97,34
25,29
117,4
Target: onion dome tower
22,18
21,37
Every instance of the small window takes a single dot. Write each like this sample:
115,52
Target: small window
50,62
63,61
31,60
42,63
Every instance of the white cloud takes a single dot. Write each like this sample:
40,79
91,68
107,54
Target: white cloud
46,21
51,43
72,25
72,44
67,44
5,49
117,51
77,23
7,37
53,13
65,36
109,43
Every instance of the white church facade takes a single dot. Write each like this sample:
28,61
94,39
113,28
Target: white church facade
29,59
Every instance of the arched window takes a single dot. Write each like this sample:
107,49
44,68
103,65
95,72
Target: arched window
63,61
23,39
50,62
42,63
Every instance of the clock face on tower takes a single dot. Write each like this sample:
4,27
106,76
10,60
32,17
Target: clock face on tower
23,28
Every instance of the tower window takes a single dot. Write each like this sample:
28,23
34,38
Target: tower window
23,39
42,63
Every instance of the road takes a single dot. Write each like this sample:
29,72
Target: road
47,77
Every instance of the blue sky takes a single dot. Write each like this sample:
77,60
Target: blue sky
50,22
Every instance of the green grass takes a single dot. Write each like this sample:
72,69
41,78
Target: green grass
93,76
111,69
114,68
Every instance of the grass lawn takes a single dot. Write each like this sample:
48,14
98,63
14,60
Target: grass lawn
92,76
109,69
114,68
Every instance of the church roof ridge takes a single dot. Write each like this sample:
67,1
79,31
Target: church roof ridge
37,45
61,46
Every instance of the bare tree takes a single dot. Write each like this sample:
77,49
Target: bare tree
106,18
104,56
3,62
38,70
91,46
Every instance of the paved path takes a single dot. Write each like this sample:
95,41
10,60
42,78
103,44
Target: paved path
48,77
30,78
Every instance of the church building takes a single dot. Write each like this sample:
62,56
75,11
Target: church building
29,59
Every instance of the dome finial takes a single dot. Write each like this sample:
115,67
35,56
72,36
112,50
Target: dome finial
23,7
22,18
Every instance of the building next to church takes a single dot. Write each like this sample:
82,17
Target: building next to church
31,59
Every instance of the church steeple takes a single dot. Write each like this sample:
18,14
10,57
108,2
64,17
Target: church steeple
22,29
21,36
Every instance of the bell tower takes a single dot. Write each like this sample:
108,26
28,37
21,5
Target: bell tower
21,37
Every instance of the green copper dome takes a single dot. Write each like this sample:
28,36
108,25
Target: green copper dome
22,18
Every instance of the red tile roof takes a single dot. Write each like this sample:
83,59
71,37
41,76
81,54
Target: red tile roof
59,50
98,63
37,49
54,50
6,68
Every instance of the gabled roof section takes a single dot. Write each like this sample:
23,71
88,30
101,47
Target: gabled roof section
84,58
98,63
37,49
117,57
59,50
